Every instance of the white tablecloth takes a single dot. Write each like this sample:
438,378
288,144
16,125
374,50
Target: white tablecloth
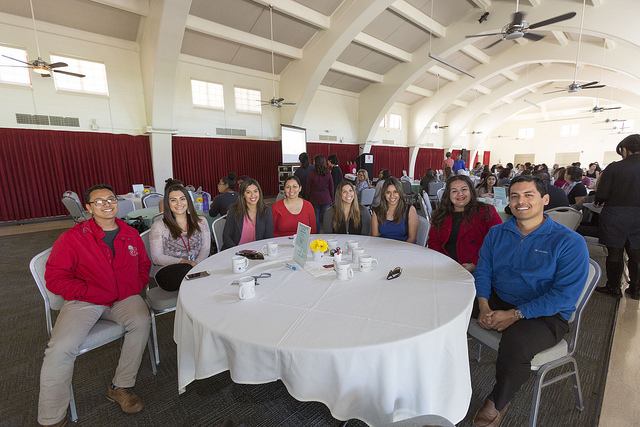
368,348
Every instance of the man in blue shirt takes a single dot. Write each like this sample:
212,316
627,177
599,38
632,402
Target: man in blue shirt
458,164
529,277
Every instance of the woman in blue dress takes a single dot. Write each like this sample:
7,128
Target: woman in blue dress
394,218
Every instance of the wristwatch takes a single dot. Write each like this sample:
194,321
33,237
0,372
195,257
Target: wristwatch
519,314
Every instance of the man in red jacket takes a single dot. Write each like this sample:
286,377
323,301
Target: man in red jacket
99,267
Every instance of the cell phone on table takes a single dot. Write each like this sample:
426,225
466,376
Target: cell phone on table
198,275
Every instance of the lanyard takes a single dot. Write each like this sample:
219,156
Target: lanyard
187,246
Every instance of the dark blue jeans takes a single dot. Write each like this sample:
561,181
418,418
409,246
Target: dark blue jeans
319,210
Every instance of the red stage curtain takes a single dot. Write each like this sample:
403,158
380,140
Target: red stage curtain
396,159
203,161
346,153
38,166
475,160
486,158
428,158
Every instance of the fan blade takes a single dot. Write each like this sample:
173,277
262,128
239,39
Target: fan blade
16,59
611,108
58,64
588,84
482,35
494,43
15,66
517,18
279,100
288,103
592,87
69,73
552,20
556,91
533,36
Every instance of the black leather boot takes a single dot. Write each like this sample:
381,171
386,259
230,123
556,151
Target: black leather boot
634,281
614,275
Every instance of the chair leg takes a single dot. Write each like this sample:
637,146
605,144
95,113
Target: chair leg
576,387
72,406
151,356
535,402
478,355
155,336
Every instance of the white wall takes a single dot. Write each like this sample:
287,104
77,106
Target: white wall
121,112
335,111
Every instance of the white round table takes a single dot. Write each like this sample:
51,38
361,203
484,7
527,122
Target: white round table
369,348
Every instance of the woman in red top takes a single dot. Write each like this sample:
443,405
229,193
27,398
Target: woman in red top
319,188
291,210
461,222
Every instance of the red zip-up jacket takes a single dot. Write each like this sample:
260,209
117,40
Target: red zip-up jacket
470,237
82,267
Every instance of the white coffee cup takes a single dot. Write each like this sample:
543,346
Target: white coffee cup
239,264
333,244
355,253
344,270
247,287
351,244
270,249
367,263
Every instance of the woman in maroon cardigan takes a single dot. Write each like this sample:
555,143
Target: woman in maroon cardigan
319,189
461,222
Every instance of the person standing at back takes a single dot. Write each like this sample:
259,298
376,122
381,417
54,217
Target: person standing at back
320,189
303,171
448,161
336,172
458,165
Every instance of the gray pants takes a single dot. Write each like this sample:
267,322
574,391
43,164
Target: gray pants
74,322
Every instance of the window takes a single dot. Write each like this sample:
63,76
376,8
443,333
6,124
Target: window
383,123
206,94
247,100
95,80
569,130
395,121
525,133
13,74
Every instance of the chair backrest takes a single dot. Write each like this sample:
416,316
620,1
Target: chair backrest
71,201
428,207
440,193
151,199
218,227
157,217
280,196
406,187
124,207
366,196
51,301
145,239
423,231
566,216
433,187
150,188
589,286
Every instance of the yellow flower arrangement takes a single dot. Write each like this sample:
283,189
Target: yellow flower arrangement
319,245
199,200
146,191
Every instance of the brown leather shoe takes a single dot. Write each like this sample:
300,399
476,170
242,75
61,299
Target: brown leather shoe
128,400
488,415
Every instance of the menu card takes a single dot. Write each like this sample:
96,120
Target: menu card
301,244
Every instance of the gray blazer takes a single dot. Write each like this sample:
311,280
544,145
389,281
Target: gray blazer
233,228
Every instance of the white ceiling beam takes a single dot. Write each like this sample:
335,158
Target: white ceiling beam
407,11
299,11
506,100
476,54
561,37
446,74
482,4
534,3
360,73
483,89
383,47
417,90
510,75
231,34
460,103
609,44
139,7
596,2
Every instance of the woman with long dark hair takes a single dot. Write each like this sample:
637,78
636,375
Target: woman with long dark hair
428,177
227,196
179,241
619,194
460,223
347,216
485,188
574,188
291,210
249,219
319,189
394,218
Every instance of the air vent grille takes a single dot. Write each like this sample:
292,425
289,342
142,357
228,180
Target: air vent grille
327,137
388,141
231,132
39,119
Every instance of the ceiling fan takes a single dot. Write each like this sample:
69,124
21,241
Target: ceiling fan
39,65
518,27
274,102
608,120
575,86
597,109
435,127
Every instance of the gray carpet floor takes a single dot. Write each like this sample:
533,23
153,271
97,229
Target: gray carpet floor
208,402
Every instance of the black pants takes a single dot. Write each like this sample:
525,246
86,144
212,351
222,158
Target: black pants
520,342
